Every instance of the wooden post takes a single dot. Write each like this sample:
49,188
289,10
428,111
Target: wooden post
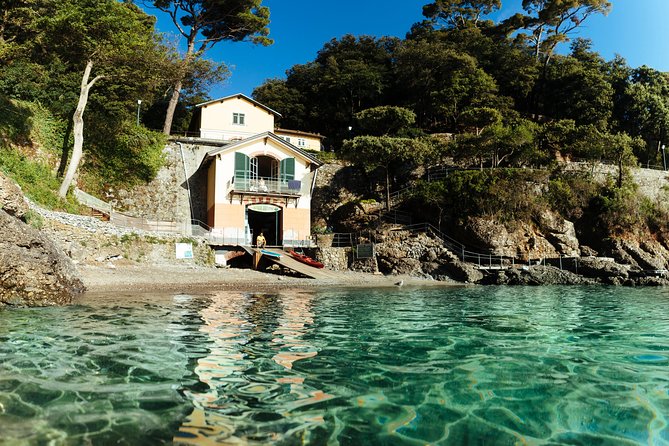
257,255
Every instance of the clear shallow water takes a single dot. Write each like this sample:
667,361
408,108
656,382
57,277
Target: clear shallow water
458,366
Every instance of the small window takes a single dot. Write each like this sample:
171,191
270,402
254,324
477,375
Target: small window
238,118
286,138
301,142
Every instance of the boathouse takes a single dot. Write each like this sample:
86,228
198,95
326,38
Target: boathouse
258,179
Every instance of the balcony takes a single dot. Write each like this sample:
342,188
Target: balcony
266,186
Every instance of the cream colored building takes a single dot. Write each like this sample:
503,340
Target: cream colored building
237,117
259,181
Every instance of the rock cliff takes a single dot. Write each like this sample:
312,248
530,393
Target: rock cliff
33,271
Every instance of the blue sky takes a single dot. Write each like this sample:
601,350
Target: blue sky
635,29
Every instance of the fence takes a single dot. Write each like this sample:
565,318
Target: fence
266,185
92,202
144,224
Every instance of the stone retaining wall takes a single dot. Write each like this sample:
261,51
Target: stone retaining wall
336,259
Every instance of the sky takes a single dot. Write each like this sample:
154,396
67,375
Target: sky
635,29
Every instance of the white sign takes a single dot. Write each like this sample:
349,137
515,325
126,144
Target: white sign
184,250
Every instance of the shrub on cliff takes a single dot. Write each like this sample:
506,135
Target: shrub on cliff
621,211
509,195
570,193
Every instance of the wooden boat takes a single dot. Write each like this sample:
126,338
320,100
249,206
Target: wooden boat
305,259
270,253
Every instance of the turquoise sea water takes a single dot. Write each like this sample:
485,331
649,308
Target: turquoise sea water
493,366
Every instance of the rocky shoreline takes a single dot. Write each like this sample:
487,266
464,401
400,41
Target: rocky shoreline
71,253
33,270
424,255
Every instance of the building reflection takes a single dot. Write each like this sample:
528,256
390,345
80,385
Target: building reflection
250,372
294,325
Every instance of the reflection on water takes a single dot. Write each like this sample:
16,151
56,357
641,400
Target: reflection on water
563,365
242,384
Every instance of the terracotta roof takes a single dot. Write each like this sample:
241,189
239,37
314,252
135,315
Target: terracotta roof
242,96
299,132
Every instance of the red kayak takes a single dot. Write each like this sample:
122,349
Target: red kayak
305,259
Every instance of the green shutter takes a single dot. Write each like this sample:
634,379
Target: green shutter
242,166
287,169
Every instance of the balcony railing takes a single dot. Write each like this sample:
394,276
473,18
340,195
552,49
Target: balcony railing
267,186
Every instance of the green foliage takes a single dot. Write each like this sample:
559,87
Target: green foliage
349,74
384,120
370,152
579,90
34,219
513,144
509,195
37,179
618,211
441,83
129,237
205,23
326,157
570,194
132,157
460,13
276,94
550,22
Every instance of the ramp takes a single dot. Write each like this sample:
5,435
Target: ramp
309,271
287,261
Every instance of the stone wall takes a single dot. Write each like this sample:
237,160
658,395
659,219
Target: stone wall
651,182
335,259
166,198
87,240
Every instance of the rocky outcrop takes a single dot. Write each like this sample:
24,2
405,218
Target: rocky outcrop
536,275
560,233
336,198
604,270
641,255
557,237
11,199
453,269
421,255
33,271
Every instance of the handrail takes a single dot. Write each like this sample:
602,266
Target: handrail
92,202
267,185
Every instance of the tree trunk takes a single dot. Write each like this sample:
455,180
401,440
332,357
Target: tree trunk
78,126
537,47
171,107
174,100
387,189
65,152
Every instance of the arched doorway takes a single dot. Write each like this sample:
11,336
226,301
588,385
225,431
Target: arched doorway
266,218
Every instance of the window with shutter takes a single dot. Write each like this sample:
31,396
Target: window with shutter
242,167
287,169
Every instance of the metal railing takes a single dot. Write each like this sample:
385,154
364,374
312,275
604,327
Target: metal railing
92,202
396,217
267,185
342,239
